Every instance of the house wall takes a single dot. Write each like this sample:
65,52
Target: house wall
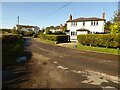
92,28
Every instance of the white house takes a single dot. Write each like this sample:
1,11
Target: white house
85,26
27,28
57,28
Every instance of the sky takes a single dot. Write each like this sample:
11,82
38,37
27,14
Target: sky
45,14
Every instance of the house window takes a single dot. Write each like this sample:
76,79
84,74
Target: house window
73,33
76,23
73,23
83,23
97,23
91,22
94,22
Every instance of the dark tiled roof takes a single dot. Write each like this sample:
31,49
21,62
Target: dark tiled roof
82,29
86,19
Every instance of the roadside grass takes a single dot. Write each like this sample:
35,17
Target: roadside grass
98,49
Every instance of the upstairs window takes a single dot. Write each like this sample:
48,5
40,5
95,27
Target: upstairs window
76,23
97,23
94,23
73,23
91,22
83,23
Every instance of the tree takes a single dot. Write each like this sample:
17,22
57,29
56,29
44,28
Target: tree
108,26
64,28
115,27
116,17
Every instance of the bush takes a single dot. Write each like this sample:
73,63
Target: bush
35,35
101,40
58,38
59,33
6,39
12,47
42,36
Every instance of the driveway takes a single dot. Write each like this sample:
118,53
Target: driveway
52,66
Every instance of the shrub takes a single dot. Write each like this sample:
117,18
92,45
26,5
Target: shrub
12,47
6,39
58,38
59,33
101,40
35,35
42,36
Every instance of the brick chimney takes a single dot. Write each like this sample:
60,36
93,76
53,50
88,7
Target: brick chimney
103,15
70,18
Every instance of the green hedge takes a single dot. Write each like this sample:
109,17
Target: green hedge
58,38
12,48
6,39
100,40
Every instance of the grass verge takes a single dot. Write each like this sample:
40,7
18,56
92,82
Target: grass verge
98,49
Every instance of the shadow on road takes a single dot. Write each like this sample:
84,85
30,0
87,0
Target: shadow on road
14,75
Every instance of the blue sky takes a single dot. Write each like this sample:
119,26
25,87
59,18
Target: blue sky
45,14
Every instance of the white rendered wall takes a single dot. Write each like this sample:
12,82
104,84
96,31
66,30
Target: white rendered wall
92,28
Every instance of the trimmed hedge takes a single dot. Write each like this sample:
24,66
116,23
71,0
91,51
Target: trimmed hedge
100,40
58,38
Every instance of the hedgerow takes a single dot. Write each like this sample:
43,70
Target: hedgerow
100,40
58,38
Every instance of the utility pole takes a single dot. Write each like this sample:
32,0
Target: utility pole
18,20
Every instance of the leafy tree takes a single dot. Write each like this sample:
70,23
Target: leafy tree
43,30
108,26
51,27
48,32
116,17
115,27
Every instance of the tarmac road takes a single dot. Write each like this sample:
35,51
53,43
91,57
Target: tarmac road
105,63
53,66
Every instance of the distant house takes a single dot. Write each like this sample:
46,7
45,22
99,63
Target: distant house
27,28
85,26
57,28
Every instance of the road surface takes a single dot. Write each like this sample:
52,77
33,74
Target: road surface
52,66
